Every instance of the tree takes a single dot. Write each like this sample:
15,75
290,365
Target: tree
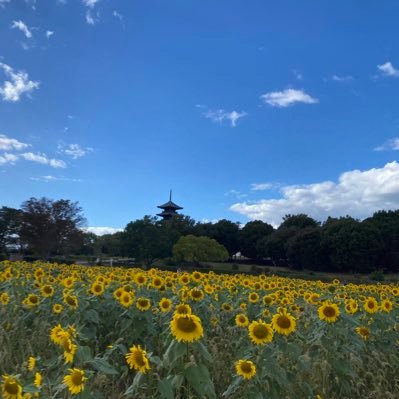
387,223
303,249
195,249
109,244
250,234
10,224
300,221
52,227
351,246
183,224
148,239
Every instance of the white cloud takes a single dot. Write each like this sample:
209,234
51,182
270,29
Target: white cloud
392,144
74,150
43,159
357,193
100,231
236,193
90,4
50,178
19,84
287,97
3,2
8,158
346,78
49,33
261,186
220,115
22,27
9,144
388,69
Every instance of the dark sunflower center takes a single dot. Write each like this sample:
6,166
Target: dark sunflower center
11,388
246,367
186,325
76,378
139,360
260,331
33,299
143,303
329,311
284,322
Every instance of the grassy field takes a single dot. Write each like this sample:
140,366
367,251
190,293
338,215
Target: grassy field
108,333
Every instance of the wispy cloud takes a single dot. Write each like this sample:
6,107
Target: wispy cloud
391,144
43,159
4,2
261,186
10,144
236,193
18,85
220,115
100,231
388,69
357,193
74,150
337,78
287,98
297,74
8,158
50,178
116,14
22,27
49,33
91,19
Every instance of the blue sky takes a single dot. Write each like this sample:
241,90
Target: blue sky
247,110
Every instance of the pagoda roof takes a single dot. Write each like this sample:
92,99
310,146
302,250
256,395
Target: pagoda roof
169,205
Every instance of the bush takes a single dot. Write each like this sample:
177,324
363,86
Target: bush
378,275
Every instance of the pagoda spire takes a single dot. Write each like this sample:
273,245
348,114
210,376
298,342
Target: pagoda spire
169,208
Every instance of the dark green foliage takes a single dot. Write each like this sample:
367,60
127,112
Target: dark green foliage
250,234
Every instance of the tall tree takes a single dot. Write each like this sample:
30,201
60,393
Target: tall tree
250,234
10,225
52,227
148,239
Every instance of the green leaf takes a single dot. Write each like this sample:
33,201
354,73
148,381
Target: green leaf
31,388
166,389
103,366
204,352
232,388
198,377
84,354
177,381
91,315
137,381
175,351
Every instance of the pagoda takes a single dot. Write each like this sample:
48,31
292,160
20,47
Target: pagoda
168,209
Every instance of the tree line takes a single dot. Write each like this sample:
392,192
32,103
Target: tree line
46,228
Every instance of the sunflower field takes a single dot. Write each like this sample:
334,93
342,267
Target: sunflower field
108,333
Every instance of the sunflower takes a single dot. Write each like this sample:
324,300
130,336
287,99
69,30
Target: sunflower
97,288
69,348
31,301
253,297
182,309
186,328
197,294
165,305
126,299
4,298
329,312
386,305
351,306
31,363
371,305
118,293
260,332
137,359
283,322
227,307
38,380
57,308
10,388
268,300
241,320
75,381
364,332
143,304
56,334
140,279
245,368
47,291
71,300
